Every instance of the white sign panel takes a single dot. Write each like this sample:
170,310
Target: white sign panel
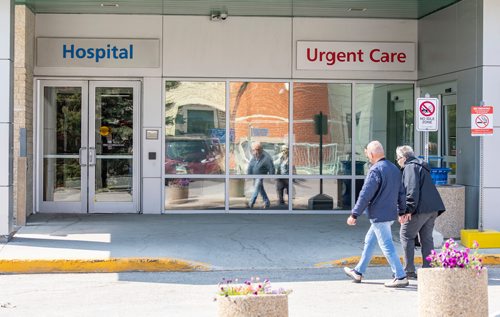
77,52
481,120
378,56
427,111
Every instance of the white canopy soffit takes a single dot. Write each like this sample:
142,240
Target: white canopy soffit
394,9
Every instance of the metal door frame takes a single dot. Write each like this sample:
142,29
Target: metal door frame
86,203
114,207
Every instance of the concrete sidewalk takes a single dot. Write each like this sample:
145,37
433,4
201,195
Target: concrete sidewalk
118,243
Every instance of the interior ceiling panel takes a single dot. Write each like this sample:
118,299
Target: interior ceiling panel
393,9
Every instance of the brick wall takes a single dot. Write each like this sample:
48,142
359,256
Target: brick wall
23,111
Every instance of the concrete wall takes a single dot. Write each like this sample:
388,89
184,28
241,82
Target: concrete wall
23,112
457,46
491,94
6,117
265,47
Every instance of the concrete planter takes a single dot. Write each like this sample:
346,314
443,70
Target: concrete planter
452,292
177,195
253,306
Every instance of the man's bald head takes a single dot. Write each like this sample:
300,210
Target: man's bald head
257,149
374,151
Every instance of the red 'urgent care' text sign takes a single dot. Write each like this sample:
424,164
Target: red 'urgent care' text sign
381,56
481,120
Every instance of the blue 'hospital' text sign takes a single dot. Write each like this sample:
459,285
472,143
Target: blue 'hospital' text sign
76,52
70,51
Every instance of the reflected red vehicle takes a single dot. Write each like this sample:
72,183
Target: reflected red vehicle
192,155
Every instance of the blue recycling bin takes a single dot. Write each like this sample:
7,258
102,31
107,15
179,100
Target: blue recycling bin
439,175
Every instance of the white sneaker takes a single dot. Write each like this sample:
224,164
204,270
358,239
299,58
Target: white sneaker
397,283
356,278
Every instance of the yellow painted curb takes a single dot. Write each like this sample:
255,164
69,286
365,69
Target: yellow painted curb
488,259
353,260
486,239
111,265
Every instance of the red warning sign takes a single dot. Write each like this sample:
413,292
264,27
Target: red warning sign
427,108
481,120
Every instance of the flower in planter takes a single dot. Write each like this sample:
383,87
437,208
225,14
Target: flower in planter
452,257
179,182
250,287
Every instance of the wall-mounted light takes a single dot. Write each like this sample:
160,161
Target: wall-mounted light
218,15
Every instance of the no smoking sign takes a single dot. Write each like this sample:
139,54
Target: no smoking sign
427,110
481,122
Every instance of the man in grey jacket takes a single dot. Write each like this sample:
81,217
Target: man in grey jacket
261,163
423,205
382,196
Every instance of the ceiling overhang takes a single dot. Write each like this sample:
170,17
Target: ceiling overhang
387,9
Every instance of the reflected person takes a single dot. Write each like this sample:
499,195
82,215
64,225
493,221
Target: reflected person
283,169
260,164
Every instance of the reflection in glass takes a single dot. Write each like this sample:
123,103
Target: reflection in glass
384,112
62,107
114,132
338,189
195,127
334,101
241,191
194,194
259,113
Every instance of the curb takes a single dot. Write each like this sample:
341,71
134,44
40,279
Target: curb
488,259
112,265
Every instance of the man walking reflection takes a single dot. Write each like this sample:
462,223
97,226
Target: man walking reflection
260,164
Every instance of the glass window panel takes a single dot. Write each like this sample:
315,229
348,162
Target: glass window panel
62,112
195,127
450,137
114,136
241,192
194,194
259,113
306,190
384,112
334,101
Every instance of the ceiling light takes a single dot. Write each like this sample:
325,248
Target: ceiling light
356,9
109,5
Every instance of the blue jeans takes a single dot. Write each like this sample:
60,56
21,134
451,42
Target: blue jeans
381,232
258,188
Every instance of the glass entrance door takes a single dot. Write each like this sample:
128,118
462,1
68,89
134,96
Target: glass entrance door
87,158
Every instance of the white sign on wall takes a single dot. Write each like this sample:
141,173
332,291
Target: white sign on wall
427,110
78,52
481,121
364,56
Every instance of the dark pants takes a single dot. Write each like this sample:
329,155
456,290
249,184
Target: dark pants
423,225
281,186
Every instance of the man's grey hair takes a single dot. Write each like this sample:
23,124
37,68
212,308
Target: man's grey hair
405,151
375,147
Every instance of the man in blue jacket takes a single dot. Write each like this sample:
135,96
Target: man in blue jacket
423,205
383,197
260,164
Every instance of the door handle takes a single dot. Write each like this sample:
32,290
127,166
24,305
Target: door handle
92,156
82,160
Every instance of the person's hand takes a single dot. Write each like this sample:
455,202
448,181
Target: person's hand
404,218
351,221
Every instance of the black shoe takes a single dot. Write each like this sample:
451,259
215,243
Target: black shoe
411,275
